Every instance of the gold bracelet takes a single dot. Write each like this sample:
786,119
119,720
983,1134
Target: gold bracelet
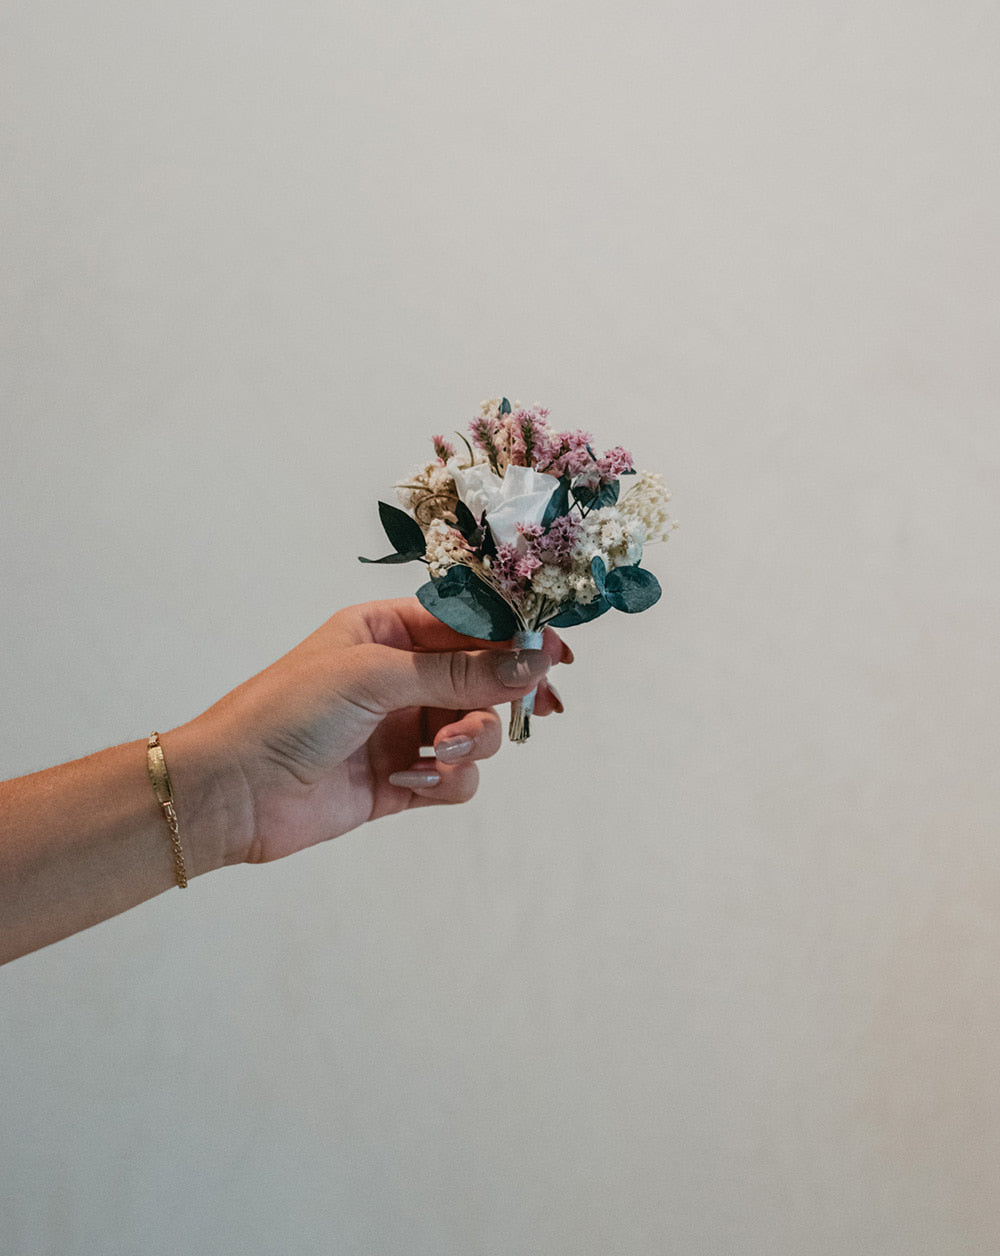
160,780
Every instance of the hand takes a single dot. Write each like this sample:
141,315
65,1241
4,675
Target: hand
330,736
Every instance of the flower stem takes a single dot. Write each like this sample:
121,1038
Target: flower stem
521,709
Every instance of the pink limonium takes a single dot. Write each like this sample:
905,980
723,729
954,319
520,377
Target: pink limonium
615,462
573,457
503,569
557,545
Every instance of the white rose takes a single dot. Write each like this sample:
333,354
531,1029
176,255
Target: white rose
520,497
477,486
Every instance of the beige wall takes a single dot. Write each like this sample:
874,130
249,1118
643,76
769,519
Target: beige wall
728,983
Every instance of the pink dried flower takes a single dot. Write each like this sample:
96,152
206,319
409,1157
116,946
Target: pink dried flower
484,431
615,462
528,435
503,568
572,456
527,565
443,448
559,542
531,531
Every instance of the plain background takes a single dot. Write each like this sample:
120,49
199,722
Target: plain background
710,966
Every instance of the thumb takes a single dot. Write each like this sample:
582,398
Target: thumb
386,679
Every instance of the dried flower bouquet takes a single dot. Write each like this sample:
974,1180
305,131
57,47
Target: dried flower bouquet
527,526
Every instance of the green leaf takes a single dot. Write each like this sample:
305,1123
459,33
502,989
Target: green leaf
558,503
598,569
632,589
580,613
465,520
594,499
394,558
403,532
463,602
505,406
454,581
608,495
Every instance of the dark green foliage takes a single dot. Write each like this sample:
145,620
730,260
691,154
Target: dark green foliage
394,558
595,498
580,614
631,589
558,502
465,521
403,532
463,602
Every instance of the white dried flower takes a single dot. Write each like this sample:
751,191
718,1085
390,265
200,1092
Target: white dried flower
445,548
429,493
553,583
646,503
613,536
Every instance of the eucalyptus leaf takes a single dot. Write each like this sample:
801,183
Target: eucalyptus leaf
558,503
454,581
580,613
599,570
403,532
505,406
594,498
607,496
394,558
472,609
632,589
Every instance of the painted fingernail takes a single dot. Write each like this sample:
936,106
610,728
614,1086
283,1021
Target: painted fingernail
567,654
518,668
555,694
452,749
415,780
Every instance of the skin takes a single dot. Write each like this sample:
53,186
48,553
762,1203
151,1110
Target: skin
327,738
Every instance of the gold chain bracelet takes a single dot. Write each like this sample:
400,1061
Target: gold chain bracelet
160,780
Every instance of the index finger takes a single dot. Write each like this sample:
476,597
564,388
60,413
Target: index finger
405,624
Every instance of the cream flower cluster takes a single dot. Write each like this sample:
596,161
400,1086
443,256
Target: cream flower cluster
429,493
646,504
445,548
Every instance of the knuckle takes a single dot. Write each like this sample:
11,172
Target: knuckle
459,674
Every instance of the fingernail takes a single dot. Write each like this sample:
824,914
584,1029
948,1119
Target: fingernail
567,654
453,748
555,693
518,668
415,780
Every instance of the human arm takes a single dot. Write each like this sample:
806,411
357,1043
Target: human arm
301,753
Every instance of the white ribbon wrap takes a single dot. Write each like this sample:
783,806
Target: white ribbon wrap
520,711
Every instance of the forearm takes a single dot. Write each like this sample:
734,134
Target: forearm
84,841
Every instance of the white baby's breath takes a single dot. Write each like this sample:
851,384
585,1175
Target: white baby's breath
646,503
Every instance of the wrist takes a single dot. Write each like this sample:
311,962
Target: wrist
210,794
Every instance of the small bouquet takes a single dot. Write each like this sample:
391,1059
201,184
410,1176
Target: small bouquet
527,527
